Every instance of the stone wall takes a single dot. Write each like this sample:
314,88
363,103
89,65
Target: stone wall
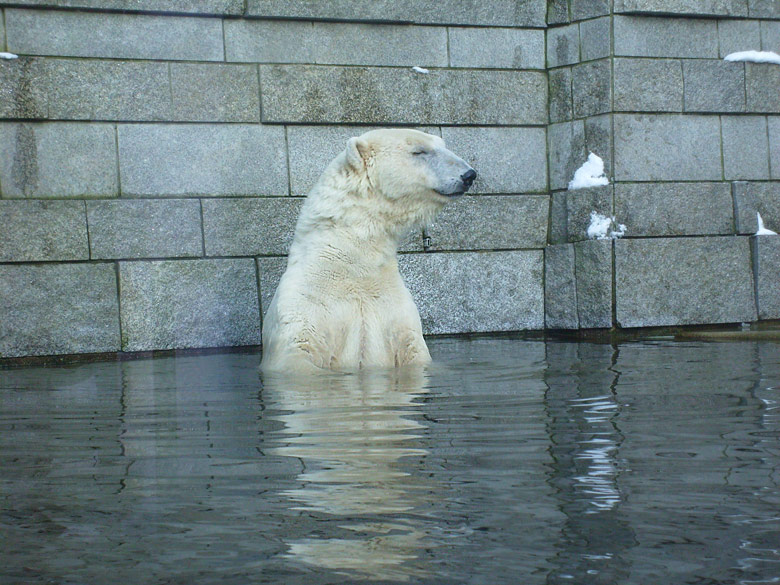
154,155
692,145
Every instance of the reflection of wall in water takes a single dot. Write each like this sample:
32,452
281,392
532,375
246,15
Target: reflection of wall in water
65,424
189,417
351,434
705,446
587,447
489,446
192,436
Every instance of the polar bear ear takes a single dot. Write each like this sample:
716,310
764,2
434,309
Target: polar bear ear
357,153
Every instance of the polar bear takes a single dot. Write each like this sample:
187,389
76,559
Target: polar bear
341,303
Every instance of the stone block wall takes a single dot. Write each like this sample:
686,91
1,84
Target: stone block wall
690,147
154,156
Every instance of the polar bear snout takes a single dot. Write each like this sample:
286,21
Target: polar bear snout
468,177
455,176
461,184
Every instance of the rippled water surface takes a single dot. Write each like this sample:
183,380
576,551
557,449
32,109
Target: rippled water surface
510,461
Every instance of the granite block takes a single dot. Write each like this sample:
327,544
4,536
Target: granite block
762,81
401,96
370,44
206,7
144,229
770,35
79,89
269,41
667,148
566,151
507,160
113,35
596,39
50,309
674,209
558,12
593,269
35,231
751,198
22,89
205,92
598,139
561,108
506,48
250,227
579,204
560,289
491,222
460,12
462,292
766,254
202,159
683,281
563,45
273,41
745,147
591,87
648,85
763,9
773,125
637,36
57,160
738,35
582,9
107,90
558,233
684,7
714,86
171,304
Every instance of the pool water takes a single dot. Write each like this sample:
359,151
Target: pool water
508,461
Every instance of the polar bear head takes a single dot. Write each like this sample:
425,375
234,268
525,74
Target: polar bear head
408,164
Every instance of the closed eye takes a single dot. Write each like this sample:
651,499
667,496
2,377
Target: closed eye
419,152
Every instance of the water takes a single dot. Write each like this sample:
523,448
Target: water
510,461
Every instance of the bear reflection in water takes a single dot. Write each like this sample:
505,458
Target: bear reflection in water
357,437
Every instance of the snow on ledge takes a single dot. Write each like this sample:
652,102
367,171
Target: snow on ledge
590,174
762,231
422,70
8,56
754,57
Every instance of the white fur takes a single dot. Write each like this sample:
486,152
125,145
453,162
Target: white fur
341,304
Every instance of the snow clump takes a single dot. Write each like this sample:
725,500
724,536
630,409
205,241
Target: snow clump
604,228
754,57
8,56
590,174
762,231
422,70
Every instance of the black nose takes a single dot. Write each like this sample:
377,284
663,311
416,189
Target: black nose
468,177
